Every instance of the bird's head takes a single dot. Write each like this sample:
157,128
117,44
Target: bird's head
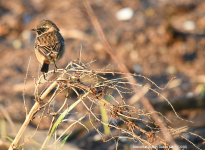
45,26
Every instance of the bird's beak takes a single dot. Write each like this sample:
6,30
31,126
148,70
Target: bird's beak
33,29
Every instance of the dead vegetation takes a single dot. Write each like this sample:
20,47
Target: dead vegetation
121,117
144,126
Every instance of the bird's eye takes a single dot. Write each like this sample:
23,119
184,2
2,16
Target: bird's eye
41,30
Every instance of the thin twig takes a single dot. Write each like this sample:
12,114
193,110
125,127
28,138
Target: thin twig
24,88
30,115
123,68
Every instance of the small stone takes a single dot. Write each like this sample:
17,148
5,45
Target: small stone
17,44
124,14
97,137
123,140
137,68
190,95
134,55
189,25
26,35
171,70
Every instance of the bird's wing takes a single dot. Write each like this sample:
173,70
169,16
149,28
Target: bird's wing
49,43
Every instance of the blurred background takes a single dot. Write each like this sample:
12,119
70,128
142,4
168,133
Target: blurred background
159,39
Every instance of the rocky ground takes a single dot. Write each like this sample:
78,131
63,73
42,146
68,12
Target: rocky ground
159,39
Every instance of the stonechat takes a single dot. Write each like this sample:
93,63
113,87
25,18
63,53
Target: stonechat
49,44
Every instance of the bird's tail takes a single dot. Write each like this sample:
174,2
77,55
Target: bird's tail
45,67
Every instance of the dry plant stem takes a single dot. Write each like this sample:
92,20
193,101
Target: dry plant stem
123,68
122,130
25,87
85,88
70,108
64,132
25,141
30,116
45,141
53,121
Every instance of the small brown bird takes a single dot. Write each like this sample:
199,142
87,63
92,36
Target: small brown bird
49,44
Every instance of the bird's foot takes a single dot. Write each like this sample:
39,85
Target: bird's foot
44,76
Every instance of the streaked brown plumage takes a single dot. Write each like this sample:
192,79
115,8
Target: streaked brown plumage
49,44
